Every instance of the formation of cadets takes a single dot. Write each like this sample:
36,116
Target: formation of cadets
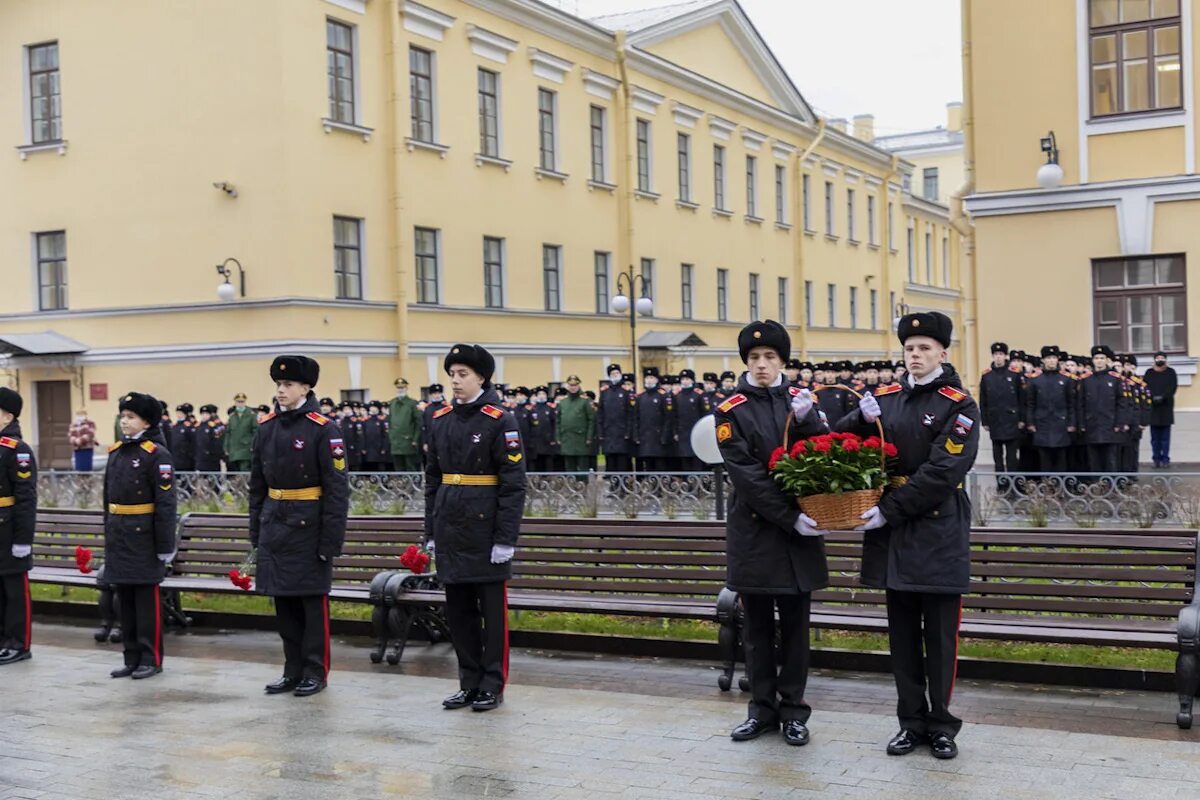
1064,413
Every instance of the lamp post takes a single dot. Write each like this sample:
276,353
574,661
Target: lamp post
225,291
627,283
1050,174
899,311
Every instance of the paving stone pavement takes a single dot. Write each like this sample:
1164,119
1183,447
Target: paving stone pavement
573,726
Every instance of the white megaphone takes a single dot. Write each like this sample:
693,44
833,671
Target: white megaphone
704,440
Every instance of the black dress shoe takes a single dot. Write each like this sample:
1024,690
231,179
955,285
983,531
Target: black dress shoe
752,729
460,699
101,634
795,733
146,671
942,745
308,687
13,656
904,742
122,672
284,684
486,701
5,652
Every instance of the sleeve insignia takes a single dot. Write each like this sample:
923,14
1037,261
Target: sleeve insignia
952,393
441,412
514,457
267,418
794,391
320,419
953,448
724,431
114,447
731,403
492,411
9,442
149,447
891,388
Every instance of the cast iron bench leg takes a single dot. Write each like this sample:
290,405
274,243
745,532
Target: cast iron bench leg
400,620
379,627
1187,670
108,614
727,637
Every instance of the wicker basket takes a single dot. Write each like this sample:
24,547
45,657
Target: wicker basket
842,512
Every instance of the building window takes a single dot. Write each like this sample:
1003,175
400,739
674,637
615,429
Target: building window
723,295
754,309
648,278
874,309
780,195
685,290
1141,303
45,95
891,227
420,69
347,257
751,186
828,209
489,113
929,180
805,206
1135,56
547,130
339,57
602,261
783,300
912,256
871,231
808,302
831,298
851,222
945,261
427,265
52,270
552,277
928,257
684,146
599,122
854,307
493,272
719,177
643,156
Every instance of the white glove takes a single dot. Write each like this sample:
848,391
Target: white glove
802,404
874,518
166,558
429,546
807,526
21,550
502,553
869,407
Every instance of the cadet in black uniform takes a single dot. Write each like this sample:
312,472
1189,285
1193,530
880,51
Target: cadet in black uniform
1140,402
1000,398
437,401
711,384
183,438
352,435
210,440
139,531
540,444
833,402
377,447
299,498
18,512
653,424
474,499
729,380
776,558
614,423
917,543
690,405
1050,412
1104,412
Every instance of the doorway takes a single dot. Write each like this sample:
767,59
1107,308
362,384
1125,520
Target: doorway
54,421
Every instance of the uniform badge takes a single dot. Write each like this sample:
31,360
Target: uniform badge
963,425
724,431
476,438
512,440
23,466
953,448
137,462
514,457
927,420
297,444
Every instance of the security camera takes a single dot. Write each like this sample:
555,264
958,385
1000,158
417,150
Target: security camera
227,188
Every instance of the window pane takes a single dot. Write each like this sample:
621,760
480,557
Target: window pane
1166,82
1137,90
1170,308
1171,337
1135,10
1104,89
1110,312
1134,44
1104,49
1111,337
1110,274
1165,8
1170,270
1141,338
1104,12
1140,272
1141,310
1166,40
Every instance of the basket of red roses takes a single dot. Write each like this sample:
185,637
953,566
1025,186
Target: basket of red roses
835,477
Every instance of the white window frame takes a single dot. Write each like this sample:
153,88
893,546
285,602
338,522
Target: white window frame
912,253
781,195
637,142
830,226
854,308
683,155
808,303
555,133
831,302
605,166
781,288
872,215
438,264
851,218
754,296
503,271
558,248
721,178
928,255
946,260
596,255
752,187
687,291
27,101
499,113
362,256
433,95
806,201
874,309
356,73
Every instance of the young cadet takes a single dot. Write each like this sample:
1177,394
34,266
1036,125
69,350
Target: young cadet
917,543
775,555
299,499
474,499
139,531
18,511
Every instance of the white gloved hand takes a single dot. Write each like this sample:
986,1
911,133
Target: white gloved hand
429,546
807,526
502,553
21,550
869,407
874,518
802,404
167,558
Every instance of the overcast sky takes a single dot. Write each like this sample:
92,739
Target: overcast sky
900,61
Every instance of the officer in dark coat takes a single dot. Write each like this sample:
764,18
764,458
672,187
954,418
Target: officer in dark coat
352,435
1104,412
1162,382
541,440
1000,398
299,498
1050,412
775,557
1139,413
183,438
18,513
728,388
436,402
614,423
711,384
833,401
139,531
377,443
690,405
474,499
653,424
917,543
210,440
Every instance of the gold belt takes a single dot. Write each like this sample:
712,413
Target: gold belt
140,508
5,502
456,479
310,493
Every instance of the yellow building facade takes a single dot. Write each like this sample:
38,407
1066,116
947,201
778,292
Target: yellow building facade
1099,248
393,177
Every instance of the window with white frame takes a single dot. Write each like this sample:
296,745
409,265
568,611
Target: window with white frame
829,208
754,307
427,266
945,261
1135,60
347,258
751,186
685,290
851,222
601,262
339,57
45,93
874,309
552,277
805,203
831,300
808,302
489,113
599,127
912,255
929,183
891,226
853,306
723,295
719,177
780,194
51,250
928,256
644,177
872,239
648,278
548,130
493,272
420,78
782,289
683,144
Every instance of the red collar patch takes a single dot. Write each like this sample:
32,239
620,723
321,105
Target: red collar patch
442,411
952,393
731,403
320,419
267,418
9,442
492,411
891,388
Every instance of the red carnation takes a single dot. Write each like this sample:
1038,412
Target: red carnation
797,449
851,445
872,443
83,559
836,436
890,450
776,454
821,447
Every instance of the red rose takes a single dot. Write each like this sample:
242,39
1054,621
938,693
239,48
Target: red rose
797,449
821,447
890,450
872,443
850,445
776,454
835,435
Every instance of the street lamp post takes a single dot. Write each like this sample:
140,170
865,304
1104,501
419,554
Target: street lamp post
627,283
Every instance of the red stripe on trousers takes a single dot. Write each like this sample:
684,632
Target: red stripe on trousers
157,628
326,604
954,675
28,615
505,635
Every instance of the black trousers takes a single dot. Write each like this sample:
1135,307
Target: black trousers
304,629
15,612
777,692
614,462
576,463
404,463
1053,459
542,463
377,466
1004,455
477,614
651,464
141,624
923,634
1128,459
1103,457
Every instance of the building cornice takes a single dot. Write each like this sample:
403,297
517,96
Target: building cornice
51,317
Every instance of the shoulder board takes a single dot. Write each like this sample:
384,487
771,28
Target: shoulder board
441,412
9,442
697,391
150,447
794,390
731,403
114,447
604,388
492,411
891,388
1137,380
1014,369
952,393
320,419
267,418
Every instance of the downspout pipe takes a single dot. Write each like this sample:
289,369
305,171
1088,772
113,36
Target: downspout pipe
958,219
798,220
